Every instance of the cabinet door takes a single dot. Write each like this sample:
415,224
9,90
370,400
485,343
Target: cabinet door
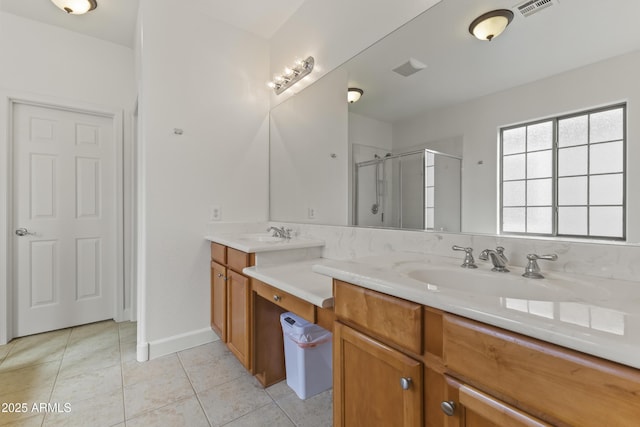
219,300
238,316
470,407
374,385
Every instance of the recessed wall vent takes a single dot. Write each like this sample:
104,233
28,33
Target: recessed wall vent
530,7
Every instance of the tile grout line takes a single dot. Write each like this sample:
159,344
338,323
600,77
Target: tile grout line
194,389
55,381
124,407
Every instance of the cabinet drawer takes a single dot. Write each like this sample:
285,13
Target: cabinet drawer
218,253
393,319
291,303
237,260
557,384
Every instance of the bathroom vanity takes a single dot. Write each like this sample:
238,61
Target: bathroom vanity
245,311
419,341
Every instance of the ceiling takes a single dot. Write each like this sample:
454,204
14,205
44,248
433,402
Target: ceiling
567,35
115,20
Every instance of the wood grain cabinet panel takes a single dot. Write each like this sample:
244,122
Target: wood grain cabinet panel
218,253
238,317
219,300
374,384
393,319
473,408
558,385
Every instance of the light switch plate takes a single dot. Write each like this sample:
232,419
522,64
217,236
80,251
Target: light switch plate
216,213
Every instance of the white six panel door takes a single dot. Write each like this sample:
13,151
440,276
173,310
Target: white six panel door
65,199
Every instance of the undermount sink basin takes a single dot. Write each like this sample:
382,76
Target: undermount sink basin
554,287
507,285
260,237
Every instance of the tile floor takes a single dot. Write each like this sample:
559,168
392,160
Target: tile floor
90,371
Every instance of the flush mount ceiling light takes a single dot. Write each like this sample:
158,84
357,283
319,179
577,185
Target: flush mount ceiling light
354,94
491,24
76,7
290,76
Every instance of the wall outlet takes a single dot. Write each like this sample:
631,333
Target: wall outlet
312,213
216,213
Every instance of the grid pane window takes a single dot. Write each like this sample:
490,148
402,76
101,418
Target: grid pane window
429,189
566,175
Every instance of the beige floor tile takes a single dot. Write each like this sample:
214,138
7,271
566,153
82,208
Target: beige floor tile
33,421
80,387
269,415
82,332
42,375
155,392
4,349
92,344
183,413
29,397
93,359
162,367
231,400
103,409
127,332
210,365
316,411
279,390
128,351
36,349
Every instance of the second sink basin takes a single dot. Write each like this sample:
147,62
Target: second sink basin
260,237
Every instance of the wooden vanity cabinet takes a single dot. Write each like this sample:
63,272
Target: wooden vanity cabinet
505,372
378,375
230,300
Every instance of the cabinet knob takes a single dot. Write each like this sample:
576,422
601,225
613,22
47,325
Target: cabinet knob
405,383
448,407
277,298
219,274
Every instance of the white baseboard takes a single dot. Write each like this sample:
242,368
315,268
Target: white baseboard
142,352
180,342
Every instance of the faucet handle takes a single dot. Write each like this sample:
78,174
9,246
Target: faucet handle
532,270
468,262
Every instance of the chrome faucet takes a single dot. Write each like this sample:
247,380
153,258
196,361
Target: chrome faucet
532,270
284,233
468,262
498,259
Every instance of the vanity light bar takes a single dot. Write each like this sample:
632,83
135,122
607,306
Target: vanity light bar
292,75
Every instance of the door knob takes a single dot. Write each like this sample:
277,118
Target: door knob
23,232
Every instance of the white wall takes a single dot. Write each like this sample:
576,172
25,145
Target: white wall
50,64
206,78
599,84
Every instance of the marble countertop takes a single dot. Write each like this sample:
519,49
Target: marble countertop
593,315
261,242
298,279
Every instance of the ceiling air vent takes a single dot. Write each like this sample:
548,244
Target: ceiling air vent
528,8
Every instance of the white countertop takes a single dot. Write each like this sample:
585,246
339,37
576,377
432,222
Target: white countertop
596,316
246,242
298,279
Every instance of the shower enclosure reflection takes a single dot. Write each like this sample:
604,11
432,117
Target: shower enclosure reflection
414,190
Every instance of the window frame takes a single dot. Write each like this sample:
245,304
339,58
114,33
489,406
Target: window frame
555,178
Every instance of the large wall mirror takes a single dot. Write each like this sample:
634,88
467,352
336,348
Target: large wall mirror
421,148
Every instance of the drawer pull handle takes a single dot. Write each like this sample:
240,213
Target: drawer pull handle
405,383
277,298
449,408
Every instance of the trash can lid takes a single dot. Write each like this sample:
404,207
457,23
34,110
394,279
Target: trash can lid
297,326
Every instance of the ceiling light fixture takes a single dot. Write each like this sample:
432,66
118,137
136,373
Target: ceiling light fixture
491,24
76,7
291,75
354,94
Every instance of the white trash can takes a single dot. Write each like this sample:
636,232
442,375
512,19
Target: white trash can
307,356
